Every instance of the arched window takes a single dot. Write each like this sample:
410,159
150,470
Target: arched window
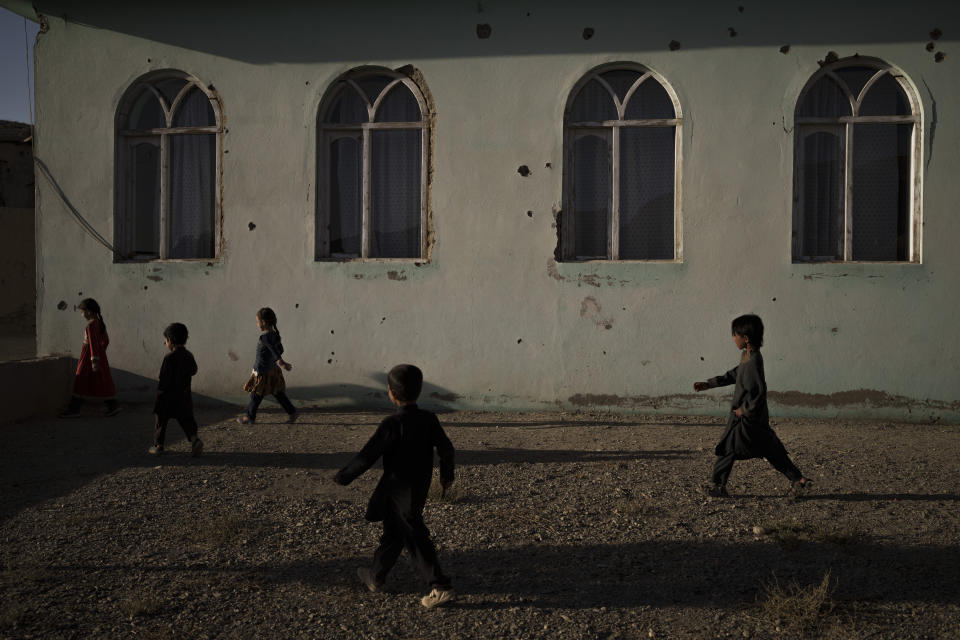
372,141
167,174
856,165
621,170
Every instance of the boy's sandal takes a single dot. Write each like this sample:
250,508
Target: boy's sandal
799,487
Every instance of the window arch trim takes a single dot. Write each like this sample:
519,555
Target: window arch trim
809,125
573,130
125,137
328,132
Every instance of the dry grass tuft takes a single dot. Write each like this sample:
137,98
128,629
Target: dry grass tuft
136,606
798,608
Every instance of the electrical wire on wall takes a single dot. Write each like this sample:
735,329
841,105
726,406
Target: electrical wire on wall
86,226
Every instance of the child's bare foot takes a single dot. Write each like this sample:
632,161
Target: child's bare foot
244,419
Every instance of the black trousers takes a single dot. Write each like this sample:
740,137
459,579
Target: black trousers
776,455
256,399
187,423
408,531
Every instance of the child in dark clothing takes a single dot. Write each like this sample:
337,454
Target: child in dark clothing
267,378
406,441
173,391
748,433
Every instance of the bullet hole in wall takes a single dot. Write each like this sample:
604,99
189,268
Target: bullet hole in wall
588,33
773,299
935,34
62,305
79,293
834,330
383,319
307,82
740,9
674,45
332,353
548,165
529,214
251,226
701,358
732,32
785,49
226,150
296,305
523,170
484,31
331,331
931,46
519,340
329,360
144,287
939,57
149,61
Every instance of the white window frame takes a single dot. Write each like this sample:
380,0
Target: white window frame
327,132
574,130
125,219
806,125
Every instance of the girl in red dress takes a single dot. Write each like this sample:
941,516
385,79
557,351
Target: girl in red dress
93,379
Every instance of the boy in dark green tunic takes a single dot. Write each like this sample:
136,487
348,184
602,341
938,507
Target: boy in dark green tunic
405,441
748,433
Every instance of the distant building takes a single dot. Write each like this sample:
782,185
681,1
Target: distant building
543,205
17,255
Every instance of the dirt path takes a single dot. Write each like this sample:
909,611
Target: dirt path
560,526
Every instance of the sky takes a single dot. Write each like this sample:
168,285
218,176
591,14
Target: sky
15,69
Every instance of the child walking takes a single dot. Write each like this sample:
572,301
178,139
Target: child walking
93,379
173,391
406,441
748,433
267,377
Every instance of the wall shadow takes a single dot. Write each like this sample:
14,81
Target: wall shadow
292,32
657,574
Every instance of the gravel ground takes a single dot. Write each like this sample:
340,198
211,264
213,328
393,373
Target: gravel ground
561,525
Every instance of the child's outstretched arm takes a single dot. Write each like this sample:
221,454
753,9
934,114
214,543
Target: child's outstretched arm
371,452
728,378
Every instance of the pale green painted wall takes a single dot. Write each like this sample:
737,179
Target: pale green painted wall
884,332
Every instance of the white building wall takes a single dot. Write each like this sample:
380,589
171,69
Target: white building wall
492,319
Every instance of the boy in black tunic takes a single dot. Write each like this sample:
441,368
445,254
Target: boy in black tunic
173,391
406,441
748,433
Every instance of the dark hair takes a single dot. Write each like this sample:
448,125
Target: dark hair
749,326
405,380
177,333
268,317
89,304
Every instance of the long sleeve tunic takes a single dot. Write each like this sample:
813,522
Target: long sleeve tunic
89,383
173,389
406,441
749,435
